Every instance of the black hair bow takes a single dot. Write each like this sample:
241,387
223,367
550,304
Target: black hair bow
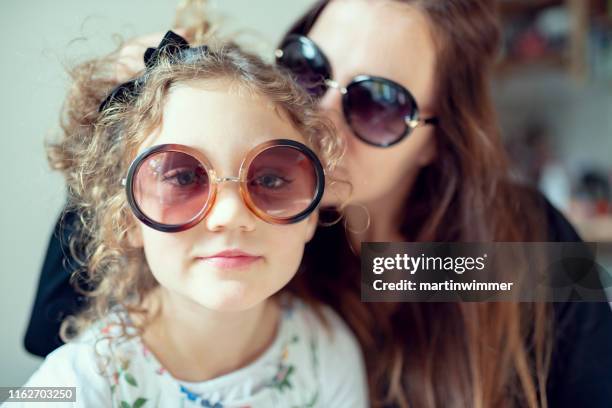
171,45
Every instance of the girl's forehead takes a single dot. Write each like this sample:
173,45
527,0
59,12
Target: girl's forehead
221,122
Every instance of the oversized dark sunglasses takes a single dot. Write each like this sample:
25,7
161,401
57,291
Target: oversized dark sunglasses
173,187
380,112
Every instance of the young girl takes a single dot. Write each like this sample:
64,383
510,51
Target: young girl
198,192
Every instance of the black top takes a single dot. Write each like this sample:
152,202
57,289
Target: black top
581,371
56,298
581,364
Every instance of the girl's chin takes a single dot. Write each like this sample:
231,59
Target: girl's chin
227,297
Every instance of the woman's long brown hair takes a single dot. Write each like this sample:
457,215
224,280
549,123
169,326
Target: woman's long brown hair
448,354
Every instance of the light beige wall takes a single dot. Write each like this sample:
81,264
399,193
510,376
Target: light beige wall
37,39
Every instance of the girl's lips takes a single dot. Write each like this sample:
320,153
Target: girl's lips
231,262
231,259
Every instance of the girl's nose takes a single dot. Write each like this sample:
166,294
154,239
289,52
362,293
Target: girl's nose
229,211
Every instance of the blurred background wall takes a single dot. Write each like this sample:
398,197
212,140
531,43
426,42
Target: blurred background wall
553,90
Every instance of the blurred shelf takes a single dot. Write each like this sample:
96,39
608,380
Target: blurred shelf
571,58
549,60
510,8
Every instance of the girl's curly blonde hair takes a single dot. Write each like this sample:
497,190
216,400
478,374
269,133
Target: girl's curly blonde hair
96,148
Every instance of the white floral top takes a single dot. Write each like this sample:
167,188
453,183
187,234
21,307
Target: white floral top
306,366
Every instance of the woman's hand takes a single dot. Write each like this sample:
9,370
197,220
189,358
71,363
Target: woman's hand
130,57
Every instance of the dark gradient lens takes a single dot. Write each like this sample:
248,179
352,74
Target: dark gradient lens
308,65
282,182
377,109
171,188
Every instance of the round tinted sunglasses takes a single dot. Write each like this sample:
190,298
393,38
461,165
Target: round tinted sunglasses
172,187
380,112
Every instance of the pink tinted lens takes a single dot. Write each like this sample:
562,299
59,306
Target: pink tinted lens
171,188
282,182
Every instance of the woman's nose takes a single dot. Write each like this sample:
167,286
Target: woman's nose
331,101
229,211
330,105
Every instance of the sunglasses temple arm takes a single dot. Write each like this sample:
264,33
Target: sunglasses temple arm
430,121
416,123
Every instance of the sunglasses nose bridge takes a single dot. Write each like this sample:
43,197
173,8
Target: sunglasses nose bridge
229,179
234,179
330,83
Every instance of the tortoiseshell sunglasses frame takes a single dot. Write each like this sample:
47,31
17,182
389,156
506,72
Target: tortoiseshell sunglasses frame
216,180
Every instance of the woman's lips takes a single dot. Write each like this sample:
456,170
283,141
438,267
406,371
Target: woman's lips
231,259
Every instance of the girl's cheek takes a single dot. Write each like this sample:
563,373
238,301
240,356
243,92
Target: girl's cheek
163,250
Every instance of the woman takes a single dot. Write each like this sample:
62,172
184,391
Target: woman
442,176
447,181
